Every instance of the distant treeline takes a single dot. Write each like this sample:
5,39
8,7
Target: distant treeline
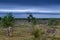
38,18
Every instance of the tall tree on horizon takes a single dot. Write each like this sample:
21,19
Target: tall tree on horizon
29,18
0,18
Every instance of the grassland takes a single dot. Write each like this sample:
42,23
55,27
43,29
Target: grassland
22,30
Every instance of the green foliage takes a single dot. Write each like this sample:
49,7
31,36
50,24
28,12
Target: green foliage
54,22
10,17
38,33
34,21
8,20
30,17
0,18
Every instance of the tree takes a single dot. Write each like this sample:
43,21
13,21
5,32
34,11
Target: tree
0,18
34,21
8,21
30,17
36,32
0,21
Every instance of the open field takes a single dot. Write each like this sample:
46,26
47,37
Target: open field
23,31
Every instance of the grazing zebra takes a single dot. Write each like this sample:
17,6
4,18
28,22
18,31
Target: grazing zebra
51,31
9,31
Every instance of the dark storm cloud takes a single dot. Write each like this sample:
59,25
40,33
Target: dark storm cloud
32,2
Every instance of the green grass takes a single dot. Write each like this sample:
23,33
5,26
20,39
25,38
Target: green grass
23,32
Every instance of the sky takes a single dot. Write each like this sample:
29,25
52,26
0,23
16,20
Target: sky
41,6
